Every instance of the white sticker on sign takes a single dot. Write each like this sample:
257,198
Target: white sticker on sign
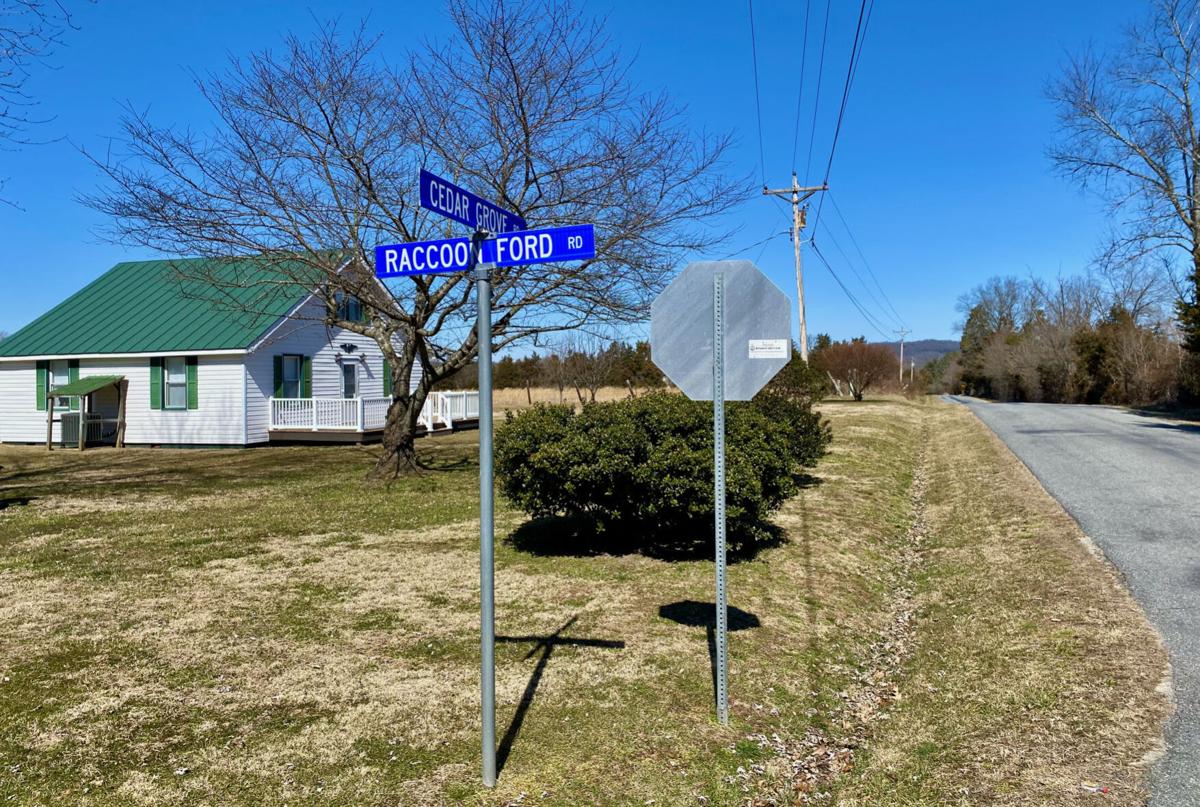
768,348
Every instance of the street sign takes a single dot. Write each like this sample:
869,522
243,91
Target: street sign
465,207
757,330
574,243
721,330
500,239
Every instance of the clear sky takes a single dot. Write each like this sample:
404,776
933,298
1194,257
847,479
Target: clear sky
940,170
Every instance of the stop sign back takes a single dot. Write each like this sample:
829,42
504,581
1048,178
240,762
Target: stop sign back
757,334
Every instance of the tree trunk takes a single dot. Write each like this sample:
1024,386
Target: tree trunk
528,393
399,456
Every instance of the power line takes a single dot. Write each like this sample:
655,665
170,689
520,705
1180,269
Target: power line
762,163
866,263
879,306
850,295
860,36
817,101
800,94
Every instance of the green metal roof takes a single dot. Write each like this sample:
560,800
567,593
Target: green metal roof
162,306
85,385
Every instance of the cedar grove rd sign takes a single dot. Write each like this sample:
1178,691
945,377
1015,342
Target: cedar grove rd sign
465,207
757,330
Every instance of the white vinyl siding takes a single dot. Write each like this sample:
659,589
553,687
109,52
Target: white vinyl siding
217,421
304,336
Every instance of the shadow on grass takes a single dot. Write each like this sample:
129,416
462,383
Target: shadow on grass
704,615
16,501
543,647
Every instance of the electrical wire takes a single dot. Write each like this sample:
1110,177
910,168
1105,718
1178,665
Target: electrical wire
817,101
866,263
762,163
878,305
860,36
849,295
800,94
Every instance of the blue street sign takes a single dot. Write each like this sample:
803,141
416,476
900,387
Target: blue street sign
463,206
574,243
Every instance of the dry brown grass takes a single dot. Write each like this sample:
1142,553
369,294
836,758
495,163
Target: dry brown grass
263,628
505,399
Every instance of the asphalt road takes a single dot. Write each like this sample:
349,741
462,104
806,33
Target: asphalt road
1133,484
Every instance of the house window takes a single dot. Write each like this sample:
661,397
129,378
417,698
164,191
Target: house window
349,308
174,382
291,376
349,380
60,374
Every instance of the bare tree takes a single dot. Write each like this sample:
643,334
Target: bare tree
590,363
857,364
30,31
316,158
1128,128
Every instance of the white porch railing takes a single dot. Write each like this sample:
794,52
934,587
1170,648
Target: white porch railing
441,411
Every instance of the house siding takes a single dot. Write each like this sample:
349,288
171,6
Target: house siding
217,420
304,336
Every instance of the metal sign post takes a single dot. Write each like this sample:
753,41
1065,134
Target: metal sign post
728,351
493,244
487,547
718,372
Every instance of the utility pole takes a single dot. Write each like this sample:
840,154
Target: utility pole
798,195
903,333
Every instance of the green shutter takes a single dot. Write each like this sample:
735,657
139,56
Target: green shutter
193,392
43,384
73,376
387,378
278,386
156,368
306,377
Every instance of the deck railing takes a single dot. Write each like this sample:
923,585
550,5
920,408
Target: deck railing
441,411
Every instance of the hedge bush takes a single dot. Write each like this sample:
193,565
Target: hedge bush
640,471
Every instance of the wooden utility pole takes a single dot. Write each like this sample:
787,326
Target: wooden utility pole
903,333
798,195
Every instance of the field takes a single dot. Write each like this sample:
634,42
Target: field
264,627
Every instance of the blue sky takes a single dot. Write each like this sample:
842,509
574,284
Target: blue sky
940,170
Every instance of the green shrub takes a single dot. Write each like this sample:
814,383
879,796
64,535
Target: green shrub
639,472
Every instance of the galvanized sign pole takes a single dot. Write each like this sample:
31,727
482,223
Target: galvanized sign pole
726,353
500,239
719,493
487,549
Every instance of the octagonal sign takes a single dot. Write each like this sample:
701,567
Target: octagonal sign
757,330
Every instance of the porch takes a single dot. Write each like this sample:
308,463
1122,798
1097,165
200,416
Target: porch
360,419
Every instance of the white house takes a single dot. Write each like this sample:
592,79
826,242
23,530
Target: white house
188,372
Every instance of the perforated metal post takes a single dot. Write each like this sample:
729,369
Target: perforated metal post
487,613
719,493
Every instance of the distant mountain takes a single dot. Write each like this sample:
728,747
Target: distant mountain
923,351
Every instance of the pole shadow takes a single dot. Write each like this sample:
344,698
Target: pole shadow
704,614
544,645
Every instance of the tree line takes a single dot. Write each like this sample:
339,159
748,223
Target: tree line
1104,337
578,367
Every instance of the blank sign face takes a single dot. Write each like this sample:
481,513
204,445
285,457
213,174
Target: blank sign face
758,329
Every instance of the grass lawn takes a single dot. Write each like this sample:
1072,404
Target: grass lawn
263,627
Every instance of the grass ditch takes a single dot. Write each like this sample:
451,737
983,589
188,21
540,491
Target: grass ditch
262,627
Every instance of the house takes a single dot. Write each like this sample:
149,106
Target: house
145,355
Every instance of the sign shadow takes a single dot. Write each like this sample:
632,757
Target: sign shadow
704,614
543,647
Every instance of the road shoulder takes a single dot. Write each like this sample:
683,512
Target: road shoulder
1033,676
